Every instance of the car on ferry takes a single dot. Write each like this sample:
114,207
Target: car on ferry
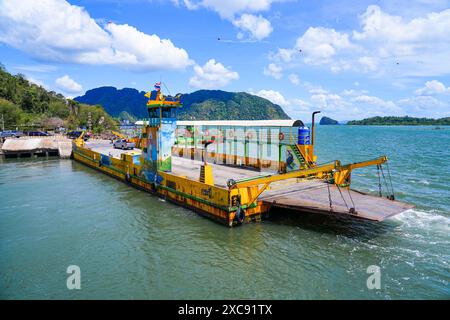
124,144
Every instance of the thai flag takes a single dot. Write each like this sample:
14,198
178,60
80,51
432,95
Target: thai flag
158,86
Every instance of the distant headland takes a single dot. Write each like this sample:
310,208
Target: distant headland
401,121
328,121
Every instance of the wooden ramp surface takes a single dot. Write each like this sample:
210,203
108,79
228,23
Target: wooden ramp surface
313,196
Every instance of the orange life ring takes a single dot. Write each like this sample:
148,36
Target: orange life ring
281,136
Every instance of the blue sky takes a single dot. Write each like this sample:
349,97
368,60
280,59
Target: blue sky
350,59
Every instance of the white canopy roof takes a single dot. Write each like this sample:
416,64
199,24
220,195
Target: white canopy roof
246,123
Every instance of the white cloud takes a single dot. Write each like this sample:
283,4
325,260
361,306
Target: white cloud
299,109
351,105
355,104
273,96
368,64
285,55
36,82
432,87
419,45
257,26
140,50
295,107
212,75
54,30
375,105
340,65
273,70
385,45
329,101
425,106
38,68
358,104
314,89
353,92
299,105
380,26
67,84
320,44
227,8
368,99
293,78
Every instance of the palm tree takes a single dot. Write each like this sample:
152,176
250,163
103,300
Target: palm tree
74,107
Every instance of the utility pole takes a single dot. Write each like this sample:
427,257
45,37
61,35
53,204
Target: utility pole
3,123
90,121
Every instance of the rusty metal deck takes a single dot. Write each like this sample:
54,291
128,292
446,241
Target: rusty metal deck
313,196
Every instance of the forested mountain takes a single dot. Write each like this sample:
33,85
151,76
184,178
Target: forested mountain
199,105
116,101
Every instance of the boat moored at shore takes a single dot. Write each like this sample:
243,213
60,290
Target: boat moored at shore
235,173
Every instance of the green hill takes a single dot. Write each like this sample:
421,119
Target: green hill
327,121
401,121
198,105
25,106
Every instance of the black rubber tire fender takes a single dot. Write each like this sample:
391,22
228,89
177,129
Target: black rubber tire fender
240,215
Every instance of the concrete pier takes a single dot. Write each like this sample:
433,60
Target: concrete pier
37,146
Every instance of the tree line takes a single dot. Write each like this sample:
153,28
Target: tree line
25,105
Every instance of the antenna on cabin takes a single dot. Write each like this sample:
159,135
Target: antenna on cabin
168,91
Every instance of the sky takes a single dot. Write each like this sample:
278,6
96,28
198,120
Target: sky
349,59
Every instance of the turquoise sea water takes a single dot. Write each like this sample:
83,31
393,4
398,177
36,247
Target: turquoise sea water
129,244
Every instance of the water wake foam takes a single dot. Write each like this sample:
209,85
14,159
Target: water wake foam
422,219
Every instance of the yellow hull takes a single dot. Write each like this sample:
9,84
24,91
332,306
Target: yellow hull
211,201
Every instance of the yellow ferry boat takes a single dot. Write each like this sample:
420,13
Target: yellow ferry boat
232,191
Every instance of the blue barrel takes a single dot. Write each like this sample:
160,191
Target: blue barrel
303,136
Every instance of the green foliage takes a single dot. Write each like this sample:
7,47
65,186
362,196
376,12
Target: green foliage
401,121
10,112
99,118
58,109
25,105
